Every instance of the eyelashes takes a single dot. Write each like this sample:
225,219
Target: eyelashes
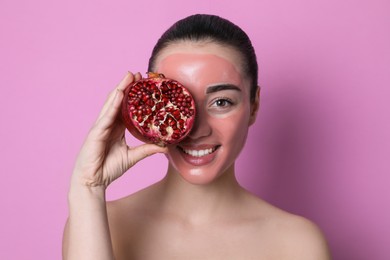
222,103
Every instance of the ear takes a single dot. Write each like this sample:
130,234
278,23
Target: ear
255,107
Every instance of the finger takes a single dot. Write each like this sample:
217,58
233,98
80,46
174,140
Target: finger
137,76
140,152
110,114
128,79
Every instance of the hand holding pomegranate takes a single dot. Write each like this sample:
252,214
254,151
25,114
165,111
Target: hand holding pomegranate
105,156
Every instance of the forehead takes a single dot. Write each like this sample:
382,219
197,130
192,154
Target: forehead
201,48
195,63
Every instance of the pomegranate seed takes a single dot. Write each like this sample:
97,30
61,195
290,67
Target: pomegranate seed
159,105
150,102
176,114
172,123
148,111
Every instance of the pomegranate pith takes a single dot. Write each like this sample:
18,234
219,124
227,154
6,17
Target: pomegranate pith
158,110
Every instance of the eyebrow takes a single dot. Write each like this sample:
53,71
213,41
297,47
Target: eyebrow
221,87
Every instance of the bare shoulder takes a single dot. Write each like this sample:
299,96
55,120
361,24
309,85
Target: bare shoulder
303,238
289,236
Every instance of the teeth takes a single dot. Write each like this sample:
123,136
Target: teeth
199,153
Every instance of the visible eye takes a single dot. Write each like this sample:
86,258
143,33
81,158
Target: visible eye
222,102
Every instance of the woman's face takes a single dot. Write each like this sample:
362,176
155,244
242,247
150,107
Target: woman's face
213,75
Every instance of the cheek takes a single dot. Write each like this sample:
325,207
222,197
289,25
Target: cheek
232,127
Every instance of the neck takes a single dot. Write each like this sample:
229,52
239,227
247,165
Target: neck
198,203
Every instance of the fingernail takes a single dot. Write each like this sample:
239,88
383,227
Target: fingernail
127,74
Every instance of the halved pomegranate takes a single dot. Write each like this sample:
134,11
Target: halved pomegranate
158,110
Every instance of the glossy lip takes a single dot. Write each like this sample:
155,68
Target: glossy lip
199,160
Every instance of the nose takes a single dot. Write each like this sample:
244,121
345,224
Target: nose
201,127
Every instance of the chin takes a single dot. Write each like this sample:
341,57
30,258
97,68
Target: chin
198,176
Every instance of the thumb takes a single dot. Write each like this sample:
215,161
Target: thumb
138,153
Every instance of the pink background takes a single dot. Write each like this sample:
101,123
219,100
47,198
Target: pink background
319,148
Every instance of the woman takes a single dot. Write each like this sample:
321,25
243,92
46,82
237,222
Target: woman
198,210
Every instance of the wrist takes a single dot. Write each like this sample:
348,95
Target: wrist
81,189
87,178
83,200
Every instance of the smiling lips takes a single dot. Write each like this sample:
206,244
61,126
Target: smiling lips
198,156
199,152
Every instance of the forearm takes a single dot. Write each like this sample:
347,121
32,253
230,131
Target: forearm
103,158
87,234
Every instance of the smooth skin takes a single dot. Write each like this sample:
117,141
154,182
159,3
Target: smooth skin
198,210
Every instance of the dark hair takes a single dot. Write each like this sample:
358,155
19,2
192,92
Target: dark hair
211,27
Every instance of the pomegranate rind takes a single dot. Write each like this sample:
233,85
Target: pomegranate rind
164,124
